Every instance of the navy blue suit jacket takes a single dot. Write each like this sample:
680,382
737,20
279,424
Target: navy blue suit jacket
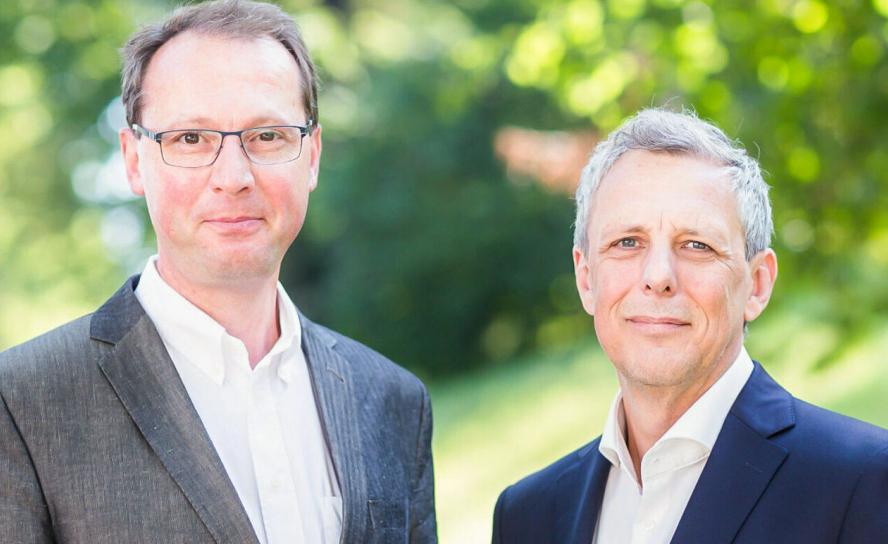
781,471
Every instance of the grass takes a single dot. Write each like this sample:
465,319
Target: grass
496,426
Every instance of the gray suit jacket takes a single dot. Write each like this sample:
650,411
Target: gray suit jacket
99,441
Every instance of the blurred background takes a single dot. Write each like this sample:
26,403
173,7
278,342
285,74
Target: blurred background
440,233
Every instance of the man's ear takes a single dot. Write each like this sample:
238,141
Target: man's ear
129,147
763,268
315,146
582,273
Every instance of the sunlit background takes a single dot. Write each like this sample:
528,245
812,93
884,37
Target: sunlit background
440,232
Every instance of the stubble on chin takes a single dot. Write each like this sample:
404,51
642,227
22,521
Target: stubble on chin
653,369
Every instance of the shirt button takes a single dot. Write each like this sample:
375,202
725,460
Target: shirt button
649,525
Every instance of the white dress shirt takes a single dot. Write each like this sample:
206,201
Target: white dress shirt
263,422
649,513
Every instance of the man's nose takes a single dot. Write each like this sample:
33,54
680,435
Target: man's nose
659,272
232,171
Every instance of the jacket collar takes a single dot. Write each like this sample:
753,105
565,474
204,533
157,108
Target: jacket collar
743,460
145,379
334,391
142,374
580,490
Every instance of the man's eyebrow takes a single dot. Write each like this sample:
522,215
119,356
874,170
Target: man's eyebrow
711,233
200,121
626,228
189,122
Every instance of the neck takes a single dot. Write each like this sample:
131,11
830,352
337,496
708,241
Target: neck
650,411
648,417
246,309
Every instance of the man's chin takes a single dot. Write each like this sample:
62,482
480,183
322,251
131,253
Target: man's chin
240,266
654,369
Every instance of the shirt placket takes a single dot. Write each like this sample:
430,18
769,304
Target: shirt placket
274,478
651,508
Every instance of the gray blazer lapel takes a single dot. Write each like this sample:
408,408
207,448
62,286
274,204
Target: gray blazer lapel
145,379
333,388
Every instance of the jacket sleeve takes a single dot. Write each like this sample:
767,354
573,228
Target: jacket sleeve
423,526
866,518
498,518
24,515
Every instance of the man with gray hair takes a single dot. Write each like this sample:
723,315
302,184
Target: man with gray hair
672,259
198,405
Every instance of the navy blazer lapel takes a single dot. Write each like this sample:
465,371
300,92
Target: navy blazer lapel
580,490
334,393
142,374
741,465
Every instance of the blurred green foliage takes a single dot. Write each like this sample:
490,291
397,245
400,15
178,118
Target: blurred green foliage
418,242
58,71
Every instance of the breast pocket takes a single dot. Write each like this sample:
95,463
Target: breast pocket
388,521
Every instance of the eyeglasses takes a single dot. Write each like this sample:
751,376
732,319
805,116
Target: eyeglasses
194,148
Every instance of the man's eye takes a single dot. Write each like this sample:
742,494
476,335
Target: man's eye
699,246
627,243
268,136
189,137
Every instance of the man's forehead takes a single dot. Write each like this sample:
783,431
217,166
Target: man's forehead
220,54
641,173
661,162
194,76
646,190
702,223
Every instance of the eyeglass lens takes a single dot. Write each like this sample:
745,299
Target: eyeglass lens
263,145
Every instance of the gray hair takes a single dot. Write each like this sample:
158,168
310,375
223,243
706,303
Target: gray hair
664,131
237,19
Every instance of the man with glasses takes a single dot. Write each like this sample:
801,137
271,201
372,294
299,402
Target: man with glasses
198,404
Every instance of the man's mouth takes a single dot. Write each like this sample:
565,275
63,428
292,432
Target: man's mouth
657,324
234,224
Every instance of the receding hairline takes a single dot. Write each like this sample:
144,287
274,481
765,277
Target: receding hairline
668,152
222,36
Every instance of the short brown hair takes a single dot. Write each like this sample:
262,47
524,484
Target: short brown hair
241,19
